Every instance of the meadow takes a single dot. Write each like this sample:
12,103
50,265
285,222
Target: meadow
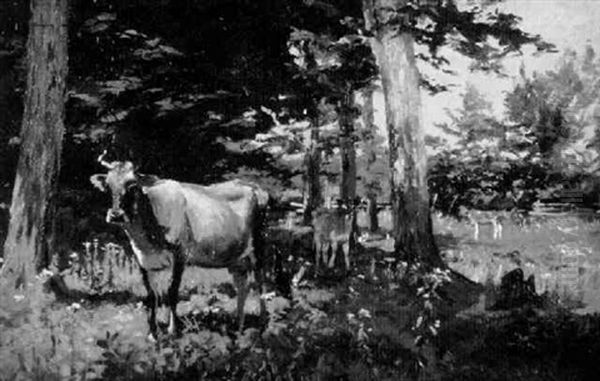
377,323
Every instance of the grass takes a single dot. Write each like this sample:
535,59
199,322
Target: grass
372,325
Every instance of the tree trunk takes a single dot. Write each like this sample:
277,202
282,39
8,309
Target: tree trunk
348,154
313,169
41,141
372,183
393,47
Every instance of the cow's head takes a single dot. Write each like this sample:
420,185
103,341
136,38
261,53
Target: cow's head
120,177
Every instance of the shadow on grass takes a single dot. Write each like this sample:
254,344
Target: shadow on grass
447,241
222,322
69,296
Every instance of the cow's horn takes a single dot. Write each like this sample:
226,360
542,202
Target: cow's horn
104,162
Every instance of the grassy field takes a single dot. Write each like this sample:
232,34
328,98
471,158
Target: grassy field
378,323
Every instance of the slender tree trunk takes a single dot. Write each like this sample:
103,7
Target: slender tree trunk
372,184
394,50
41,141
348,154
313,169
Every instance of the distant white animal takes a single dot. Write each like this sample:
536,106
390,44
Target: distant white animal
485,217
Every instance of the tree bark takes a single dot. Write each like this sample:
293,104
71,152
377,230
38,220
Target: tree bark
347,151
393,47
313,169
41,141
372,184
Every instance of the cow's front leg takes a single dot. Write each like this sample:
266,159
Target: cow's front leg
151,301
178,268
259,274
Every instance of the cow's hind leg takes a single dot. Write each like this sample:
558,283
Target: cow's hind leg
240,279
318,246
259,275
476,233
178,268
346,250
151,300
334,250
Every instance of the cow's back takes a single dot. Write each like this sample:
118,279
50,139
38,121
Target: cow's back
210,231
238,198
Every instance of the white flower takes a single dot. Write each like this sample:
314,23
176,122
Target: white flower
419,322
364,313
268,295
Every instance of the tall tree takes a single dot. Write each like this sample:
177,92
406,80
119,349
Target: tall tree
313,196
41,141
393,46
395,27
371,177
347,151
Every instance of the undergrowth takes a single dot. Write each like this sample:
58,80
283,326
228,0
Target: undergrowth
385,322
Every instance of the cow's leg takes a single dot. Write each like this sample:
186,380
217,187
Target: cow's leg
499,228
151,300
259,251
259,275
346,250
334,249
178,268
240,280
318,249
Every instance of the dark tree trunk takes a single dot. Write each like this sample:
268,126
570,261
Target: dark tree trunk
41,141
372,184
313,169
348,154
394,50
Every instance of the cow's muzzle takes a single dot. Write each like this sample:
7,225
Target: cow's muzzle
116,216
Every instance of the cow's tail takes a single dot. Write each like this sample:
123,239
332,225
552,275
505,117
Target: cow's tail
260,221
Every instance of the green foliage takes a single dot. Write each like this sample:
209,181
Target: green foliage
546,144
485,162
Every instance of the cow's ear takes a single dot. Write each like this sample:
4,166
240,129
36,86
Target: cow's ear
99,181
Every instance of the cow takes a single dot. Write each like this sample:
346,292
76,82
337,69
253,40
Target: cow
484,217
333,227
171,224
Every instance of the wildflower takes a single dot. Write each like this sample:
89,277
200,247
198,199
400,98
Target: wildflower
433,330
45,273
362,334
351,318
18,297
419,322
363,313
74,307
268,296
